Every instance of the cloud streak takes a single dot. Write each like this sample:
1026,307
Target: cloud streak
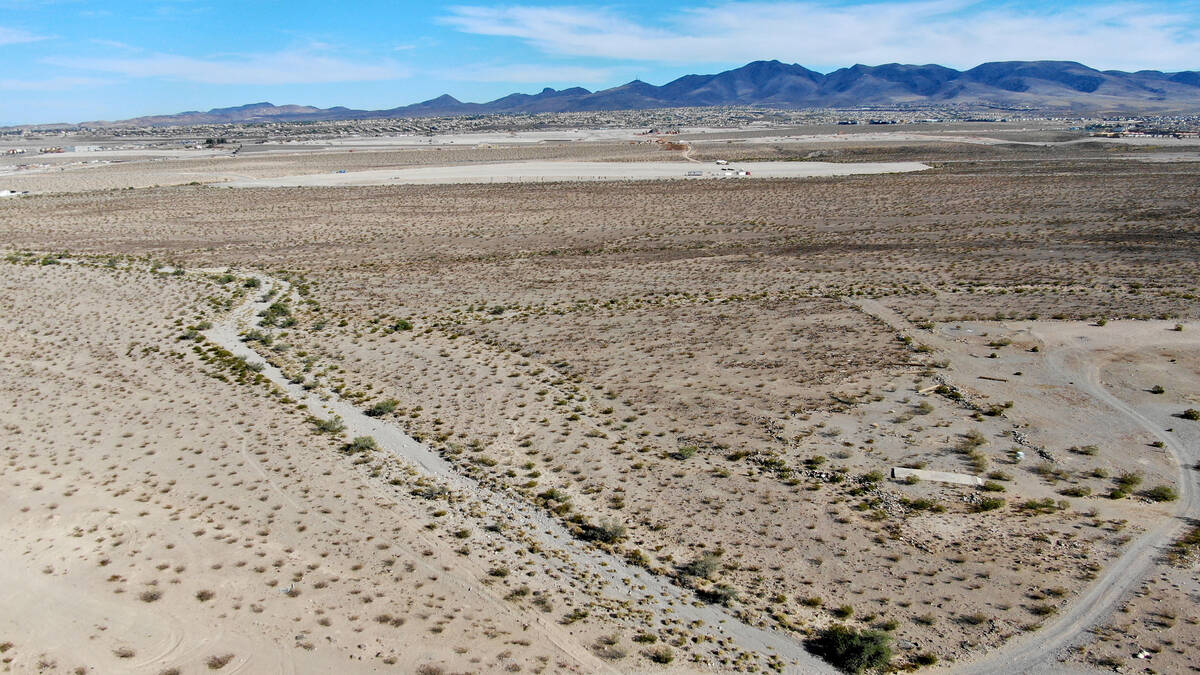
536,73
957,33
53,84
12,36
286,67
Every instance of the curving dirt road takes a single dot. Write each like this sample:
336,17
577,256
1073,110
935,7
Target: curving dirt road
1037,652
619,579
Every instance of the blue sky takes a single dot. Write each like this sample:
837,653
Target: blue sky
74,60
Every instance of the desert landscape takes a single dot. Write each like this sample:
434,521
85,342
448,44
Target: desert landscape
539,401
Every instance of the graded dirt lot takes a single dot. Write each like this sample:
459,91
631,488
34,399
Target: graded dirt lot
617,421
554,172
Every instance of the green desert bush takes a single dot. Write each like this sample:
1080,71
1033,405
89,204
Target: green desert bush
382,408
361,444
852,651
704,567
1162,493
332,425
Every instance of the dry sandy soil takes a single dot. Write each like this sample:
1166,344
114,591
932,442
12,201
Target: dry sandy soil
726,369
555,172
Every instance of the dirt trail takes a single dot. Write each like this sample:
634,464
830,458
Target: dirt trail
620,580
1040,650
1080,366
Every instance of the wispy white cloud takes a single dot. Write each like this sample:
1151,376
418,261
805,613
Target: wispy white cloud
285,67
13,36
952,32
114,44
529,72
53,84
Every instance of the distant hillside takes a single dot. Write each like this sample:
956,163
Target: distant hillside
1042,84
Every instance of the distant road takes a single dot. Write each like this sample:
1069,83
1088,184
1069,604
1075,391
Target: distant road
550,171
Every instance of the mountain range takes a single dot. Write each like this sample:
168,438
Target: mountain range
1065,85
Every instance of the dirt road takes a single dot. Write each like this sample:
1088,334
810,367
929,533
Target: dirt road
1080,363
620,580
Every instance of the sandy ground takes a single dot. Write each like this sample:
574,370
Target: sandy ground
726,367
520,172
977,138
147,531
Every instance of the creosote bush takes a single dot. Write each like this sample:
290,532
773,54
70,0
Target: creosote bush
329,426
1162,493
382,408
361,444
850,650
704,567
606,531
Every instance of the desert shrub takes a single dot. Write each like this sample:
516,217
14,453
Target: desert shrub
686,452
361,444
276,314
332,425
608,647
574,615
989,504
1157,389
718,594
972,439
949,392
973,619
843,612
704,567
382,408
1128,480
1076,491
660,654
991,486
852,651
607,531
1046,505
1185,547
1191,414
1162,493
922,504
